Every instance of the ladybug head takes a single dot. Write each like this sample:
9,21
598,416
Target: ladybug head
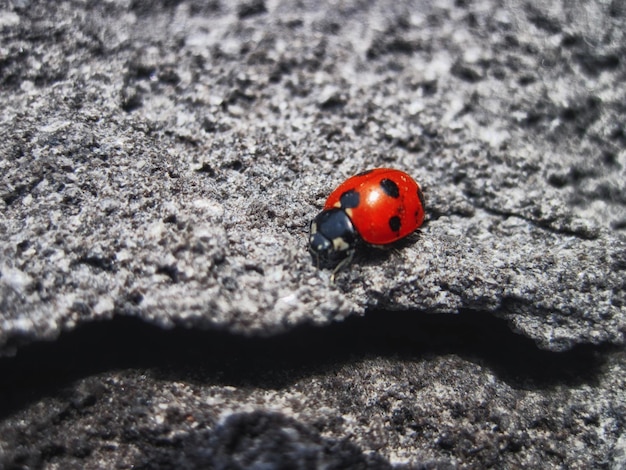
332,238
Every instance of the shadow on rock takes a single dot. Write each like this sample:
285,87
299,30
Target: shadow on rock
275,362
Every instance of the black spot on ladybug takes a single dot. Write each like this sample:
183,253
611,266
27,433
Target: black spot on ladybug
421,197
395,223
390,188
350,199
363,173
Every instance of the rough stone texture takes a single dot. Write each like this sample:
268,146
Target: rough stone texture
435,391
162,160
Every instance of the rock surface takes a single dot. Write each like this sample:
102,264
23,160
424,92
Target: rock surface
159,165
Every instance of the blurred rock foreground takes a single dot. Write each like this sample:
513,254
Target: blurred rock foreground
160,163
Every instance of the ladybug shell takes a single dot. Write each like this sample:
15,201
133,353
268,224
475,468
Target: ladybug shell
384,205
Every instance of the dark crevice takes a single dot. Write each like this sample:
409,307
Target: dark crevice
20,191
101,263
586,233
212,357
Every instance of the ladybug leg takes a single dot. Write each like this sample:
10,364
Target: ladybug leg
317,260
344,263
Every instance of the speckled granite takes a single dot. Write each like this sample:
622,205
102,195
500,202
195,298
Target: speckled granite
162,160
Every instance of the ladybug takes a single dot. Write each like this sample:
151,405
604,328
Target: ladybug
376,207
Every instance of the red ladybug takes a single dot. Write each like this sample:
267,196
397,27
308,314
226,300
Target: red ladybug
376,206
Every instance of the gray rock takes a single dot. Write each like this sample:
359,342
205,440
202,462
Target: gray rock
168,165
162,161
433,392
